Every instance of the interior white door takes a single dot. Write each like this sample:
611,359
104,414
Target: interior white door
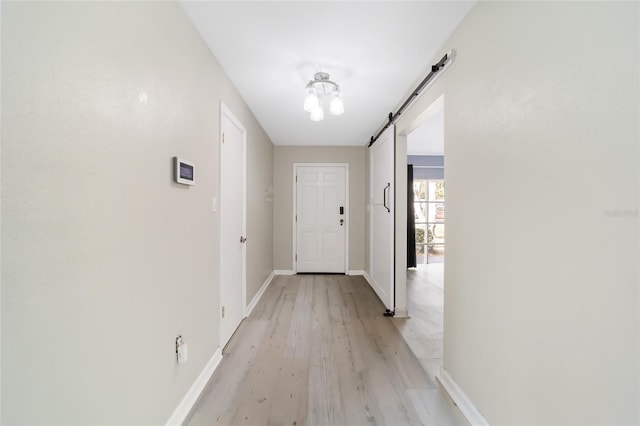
232,224
320,218
382,208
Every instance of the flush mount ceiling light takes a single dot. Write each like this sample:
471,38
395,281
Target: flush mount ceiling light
318,88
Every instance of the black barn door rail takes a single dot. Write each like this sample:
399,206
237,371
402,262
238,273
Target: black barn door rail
435,69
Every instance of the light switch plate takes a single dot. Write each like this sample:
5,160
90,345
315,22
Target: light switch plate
183,354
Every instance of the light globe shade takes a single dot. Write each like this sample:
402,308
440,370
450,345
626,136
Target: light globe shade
311,101
317,114
337,106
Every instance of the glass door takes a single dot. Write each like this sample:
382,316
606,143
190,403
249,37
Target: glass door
429,207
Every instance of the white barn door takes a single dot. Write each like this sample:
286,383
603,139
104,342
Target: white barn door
381,219
321,218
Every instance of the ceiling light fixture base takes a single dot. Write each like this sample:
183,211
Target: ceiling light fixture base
317,88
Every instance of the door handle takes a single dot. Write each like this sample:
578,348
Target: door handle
242,239
384,197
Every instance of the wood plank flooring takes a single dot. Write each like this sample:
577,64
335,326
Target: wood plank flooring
423,330
317,351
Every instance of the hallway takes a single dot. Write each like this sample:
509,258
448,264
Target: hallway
317,350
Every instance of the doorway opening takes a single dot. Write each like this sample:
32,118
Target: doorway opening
426,237
429,208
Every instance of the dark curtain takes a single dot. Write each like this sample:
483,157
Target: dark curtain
411,221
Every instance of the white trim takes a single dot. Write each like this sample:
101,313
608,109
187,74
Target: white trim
347,228
182,410
283,272
367,277
294,206
356,272
225,111
400,222
469,411
434,107
258,295
295,211
401,313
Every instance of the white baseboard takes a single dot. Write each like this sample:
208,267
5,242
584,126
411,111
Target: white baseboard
401,313
259,294
282,272
366,277
182,410
355,272
469,411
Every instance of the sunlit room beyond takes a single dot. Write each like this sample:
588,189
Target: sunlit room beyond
429,209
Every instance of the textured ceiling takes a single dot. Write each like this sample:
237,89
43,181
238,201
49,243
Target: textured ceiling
375,51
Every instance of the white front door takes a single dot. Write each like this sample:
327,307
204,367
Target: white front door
321,218
381,211
232,224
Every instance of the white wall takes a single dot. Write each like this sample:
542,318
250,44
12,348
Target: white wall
260,152
284,158
541,151
105,258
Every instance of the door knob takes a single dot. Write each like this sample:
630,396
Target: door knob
243,239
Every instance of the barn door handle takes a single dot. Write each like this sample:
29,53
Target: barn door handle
384,197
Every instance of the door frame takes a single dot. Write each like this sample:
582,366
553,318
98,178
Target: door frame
226,112
295,210
401,201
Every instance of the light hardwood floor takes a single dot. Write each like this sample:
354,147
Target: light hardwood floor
423,330
316,350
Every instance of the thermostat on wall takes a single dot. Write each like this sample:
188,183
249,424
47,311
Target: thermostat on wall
183,171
